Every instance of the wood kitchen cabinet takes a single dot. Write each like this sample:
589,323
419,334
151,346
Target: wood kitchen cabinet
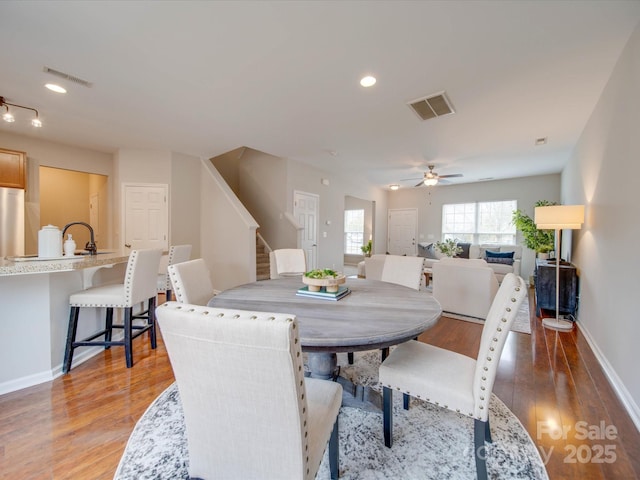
545,280
12,169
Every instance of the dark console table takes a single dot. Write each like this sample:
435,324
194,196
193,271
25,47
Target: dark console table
545,280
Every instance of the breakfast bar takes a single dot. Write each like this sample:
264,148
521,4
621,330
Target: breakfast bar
34,306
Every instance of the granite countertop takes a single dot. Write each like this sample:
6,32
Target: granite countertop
26,265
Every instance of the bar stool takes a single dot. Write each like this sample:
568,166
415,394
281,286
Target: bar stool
177,254
140,284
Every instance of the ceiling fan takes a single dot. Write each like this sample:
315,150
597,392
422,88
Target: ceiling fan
431,178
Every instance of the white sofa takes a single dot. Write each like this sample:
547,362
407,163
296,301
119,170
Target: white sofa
464,286
433,256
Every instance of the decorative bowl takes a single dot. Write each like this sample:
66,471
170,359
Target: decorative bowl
331,284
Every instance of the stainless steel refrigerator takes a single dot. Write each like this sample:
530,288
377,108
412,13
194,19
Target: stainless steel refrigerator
11,222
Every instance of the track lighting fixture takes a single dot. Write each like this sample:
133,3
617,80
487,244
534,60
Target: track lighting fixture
8,116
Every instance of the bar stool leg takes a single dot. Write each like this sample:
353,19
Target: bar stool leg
128,346
71,337
108,327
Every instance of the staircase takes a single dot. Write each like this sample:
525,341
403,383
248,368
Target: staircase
263,266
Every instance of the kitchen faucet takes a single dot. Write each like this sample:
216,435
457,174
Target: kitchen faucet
91,244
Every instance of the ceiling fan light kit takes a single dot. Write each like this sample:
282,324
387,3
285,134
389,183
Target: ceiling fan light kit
431,178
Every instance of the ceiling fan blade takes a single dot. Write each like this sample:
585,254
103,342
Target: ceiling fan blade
419,184
411,179
450,176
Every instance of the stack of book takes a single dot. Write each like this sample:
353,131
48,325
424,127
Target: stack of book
323,294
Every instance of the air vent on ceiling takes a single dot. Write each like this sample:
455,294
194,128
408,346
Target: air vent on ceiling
68,77
432,106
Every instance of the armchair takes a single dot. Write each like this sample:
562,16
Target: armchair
464,286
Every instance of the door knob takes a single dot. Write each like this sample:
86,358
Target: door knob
127,245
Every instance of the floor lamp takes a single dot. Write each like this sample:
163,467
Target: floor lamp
558,217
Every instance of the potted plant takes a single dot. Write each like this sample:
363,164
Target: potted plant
540,241
449,247
366,249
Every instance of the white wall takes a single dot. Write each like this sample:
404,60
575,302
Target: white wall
180,172
429,201
185,205
305,178
262,188
603,175
228,232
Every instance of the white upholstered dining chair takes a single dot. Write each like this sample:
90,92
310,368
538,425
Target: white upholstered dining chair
451,380
286,262
403,270
177,254
249,410
140,285
399,269
191,282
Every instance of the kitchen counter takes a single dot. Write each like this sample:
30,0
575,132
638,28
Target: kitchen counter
34,307
26,265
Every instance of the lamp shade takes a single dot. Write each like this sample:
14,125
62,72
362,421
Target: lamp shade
557,217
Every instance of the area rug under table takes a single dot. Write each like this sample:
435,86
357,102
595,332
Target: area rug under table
429,442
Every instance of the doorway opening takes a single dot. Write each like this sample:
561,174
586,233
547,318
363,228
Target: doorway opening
70,196
358,228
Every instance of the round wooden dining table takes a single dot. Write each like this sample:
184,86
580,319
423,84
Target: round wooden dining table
375,315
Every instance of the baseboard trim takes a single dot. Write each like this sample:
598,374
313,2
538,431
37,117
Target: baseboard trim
25,382
623,394
49,375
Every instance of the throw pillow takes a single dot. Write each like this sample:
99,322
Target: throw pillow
505,258
502,260
489,253
465,250
427,250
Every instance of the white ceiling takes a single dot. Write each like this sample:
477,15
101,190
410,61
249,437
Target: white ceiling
203,78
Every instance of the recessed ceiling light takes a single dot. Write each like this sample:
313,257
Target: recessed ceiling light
368,81
56,88
394,186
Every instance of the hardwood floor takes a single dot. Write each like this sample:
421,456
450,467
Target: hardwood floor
76,426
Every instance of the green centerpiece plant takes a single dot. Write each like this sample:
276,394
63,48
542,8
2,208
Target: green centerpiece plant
320,273
449,247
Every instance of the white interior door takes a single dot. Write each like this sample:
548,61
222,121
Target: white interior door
146,216
306,211
403,228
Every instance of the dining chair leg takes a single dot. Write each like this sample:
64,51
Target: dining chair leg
384,353
152,321
480,450
350,358
108,327
167,295
334,453
128,336
71,337
405,401
387,415
487,433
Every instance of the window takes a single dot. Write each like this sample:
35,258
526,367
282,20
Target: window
481,222
353,231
